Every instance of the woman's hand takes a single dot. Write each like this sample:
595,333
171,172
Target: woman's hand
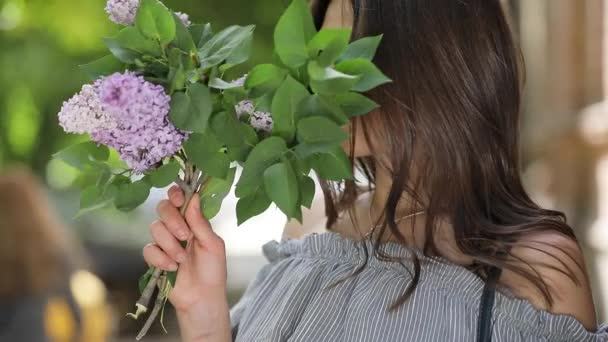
199,295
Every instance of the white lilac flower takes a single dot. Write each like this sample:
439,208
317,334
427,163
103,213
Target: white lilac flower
123,12
184,18
83,113
260,121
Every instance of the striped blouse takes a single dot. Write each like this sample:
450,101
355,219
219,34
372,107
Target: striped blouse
289,300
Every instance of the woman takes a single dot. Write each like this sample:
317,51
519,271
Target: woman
445,219
45,292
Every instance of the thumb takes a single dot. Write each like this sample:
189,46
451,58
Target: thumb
200,226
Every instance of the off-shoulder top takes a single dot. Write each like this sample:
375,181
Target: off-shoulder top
291,299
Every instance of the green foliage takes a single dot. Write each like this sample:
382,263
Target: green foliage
281,185
369,75
252,205
284,105
363,48
312,90
292,34
214,192
190,110
355,104
332,165
263,155
328,45
103,66
144,279
264,79
84,155
206,152
155,21
327,80
224,44
131,195
164,175
307,191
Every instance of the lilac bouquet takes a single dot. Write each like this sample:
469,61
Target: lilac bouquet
160,100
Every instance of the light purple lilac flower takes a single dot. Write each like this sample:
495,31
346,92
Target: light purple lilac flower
127,113
144,135
260,121
123,12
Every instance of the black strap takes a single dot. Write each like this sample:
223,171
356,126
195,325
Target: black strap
484,324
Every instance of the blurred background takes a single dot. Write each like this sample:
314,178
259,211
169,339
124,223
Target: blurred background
564,132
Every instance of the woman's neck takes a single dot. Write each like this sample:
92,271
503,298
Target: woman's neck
369,210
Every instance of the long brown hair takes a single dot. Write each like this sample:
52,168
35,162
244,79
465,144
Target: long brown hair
449,124
36,252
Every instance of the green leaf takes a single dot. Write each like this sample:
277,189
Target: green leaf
102,67
252,205
264,79
284,105
263,155
130,196
221,46
371,76
155,21
241,142
320,130
190,111
145,279
214,192
319,105
281,185
84,155
328,44
355,104
93,198
333,165
307,191
326,80
239,55
183,39
293,32
177,76
131,38
124,55
363,48
206,151
164,175
201,33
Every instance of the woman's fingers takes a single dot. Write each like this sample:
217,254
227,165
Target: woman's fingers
176,196
155,256
173,220
167,242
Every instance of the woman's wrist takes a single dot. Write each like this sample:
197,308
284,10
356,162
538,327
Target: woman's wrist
205,322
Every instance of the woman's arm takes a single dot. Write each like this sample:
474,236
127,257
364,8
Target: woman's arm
199,295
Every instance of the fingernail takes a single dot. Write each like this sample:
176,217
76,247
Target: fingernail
172,267
181,257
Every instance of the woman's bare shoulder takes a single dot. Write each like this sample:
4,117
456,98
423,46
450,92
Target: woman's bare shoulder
555,257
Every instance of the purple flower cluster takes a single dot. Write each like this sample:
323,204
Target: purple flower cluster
135,119
123,12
